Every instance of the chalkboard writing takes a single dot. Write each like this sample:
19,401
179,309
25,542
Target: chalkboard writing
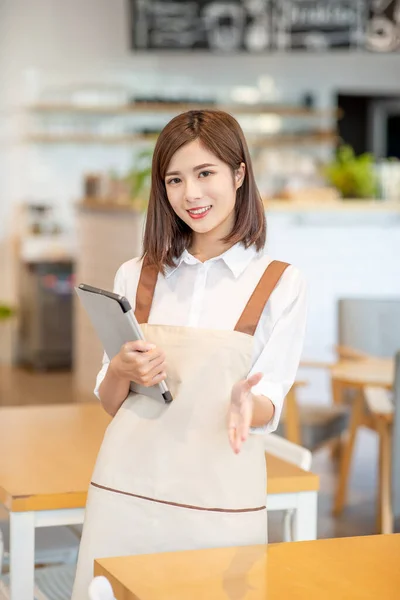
265,25
318,24
221,26
383,28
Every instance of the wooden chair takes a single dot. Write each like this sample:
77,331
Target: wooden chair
314,425
385,410
372,326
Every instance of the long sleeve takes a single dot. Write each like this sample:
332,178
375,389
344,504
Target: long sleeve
279,359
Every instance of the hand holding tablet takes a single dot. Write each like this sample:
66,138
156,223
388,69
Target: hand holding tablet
116,325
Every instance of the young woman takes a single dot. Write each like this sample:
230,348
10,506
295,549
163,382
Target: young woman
224,325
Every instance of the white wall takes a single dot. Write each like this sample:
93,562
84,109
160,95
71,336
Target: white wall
47,43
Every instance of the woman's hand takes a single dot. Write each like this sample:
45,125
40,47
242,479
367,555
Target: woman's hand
140,362
240,412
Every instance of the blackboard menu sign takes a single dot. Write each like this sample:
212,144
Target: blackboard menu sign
318,24
219,26
265,25
383,28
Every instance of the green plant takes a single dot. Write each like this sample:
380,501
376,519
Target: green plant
354,176
138,179
6,312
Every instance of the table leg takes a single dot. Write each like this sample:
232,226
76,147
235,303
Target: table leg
384,504
304,523
292,418
347,454
22,555
337,390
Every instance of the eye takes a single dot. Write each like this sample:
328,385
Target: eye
173,180
205,173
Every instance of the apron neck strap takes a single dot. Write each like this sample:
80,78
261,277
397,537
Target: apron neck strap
145,291
252,312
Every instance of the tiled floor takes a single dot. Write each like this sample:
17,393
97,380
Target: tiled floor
18,386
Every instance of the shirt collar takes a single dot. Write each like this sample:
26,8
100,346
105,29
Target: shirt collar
237,258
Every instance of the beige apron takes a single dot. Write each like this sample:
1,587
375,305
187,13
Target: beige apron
166,477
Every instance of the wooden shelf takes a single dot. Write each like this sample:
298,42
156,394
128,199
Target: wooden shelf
317,137
86,138
293,139
106,205
175,107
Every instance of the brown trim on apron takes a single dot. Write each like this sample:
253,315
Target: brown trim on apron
224,510
251,314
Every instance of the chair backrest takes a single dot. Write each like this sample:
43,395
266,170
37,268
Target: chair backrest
371,325
396,440
293,453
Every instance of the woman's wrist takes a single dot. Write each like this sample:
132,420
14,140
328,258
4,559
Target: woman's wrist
115,371
263,410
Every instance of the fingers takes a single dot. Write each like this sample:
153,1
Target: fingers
143,363
239,422
254,379
143,359
245,422
158,378
138,346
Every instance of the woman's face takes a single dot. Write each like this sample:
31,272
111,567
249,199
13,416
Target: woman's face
201,189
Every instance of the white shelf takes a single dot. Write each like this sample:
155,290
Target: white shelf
175,107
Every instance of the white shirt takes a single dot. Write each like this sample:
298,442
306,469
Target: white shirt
213,295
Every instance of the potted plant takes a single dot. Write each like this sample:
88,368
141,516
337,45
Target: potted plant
138,179
354,176
6,312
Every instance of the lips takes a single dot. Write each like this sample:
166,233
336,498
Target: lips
199,212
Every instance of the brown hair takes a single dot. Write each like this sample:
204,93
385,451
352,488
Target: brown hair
166,235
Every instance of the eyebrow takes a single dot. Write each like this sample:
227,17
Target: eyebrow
198,168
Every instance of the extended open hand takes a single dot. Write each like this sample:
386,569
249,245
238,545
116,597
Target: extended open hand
241,411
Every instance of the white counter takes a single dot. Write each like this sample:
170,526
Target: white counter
342,253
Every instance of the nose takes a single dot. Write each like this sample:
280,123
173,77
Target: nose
192,190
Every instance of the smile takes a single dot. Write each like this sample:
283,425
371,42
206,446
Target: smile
198,213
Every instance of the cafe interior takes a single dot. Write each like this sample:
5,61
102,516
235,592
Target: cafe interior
86,88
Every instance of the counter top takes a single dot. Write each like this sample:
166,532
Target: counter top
341,206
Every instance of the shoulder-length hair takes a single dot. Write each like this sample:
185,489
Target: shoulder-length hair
166,236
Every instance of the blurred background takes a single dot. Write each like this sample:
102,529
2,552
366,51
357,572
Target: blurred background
86,87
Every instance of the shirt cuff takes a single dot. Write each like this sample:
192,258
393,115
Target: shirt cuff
273,391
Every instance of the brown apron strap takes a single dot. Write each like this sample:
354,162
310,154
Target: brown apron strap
145,291
252,312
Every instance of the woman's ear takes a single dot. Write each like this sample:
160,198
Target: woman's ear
239,175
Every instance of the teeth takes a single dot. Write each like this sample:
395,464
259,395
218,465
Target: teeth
200,211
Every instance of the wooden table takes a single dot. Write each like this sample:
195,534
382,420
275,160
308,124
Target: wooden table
337,569
47,457
357,374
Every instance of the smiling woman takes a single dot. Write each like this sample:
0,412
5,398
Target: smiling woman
204,196
224,325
